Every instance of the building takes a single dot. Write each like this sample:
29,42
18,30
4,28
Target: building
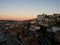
33,21
57,17
56,28
41,17
45,20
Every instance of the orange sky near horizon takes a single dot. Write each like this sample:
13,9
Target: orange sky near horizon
27,9
16,17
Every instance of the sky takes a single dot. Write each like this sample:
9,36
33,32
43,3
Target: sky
27,9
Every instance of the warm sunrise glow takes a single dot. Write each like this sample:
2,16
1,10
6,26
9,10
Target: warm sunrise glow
27,9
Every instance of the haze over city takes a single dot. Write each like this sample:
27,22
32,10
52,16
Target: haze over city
27,9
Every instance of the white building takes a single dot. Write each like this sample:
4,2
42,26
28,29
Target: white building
57,17
56,28
34,28
41,17
33,21
46,20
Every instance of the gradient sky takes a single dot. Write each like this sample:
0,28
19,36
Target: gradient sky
27,9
